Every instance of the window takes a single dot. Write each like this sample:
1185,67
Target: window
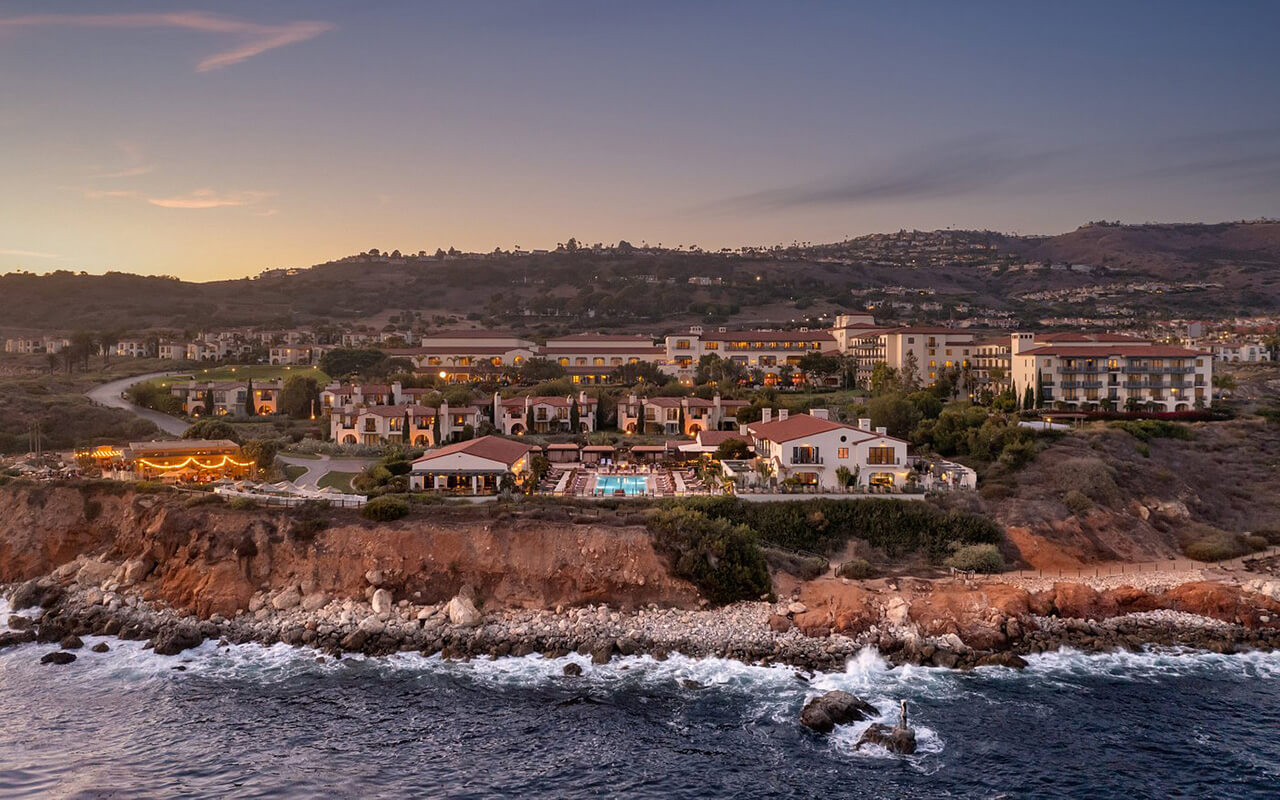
682,344
881,455
564,361
842,452
711,346
598,361
805,454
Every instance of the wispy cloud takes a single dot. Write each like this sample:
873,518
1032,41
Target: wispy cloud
27,253
133,164
198,199
252,38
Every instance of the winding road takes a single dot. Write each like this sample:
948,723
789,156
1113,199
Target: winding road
112,395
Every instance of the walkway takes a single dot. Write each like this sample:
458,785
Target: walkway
112,395
318,467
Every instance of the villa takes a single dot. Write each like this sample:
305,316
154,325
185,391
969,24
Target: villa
407,424
228,397
811,451
476,466
516,416
1241,352
678,416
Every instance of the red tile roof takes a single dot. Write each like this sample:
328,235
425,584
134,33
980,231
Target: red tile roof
1131,350
492,448
1067,336
798,426
767,336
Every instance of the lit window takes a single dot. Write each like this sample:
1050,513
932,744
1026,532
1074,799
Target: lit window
842,452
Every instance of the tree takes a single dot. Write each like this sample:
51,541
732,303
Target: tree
640,372
817,366
107,340
540,369
262,451
927,403
910,372
894,413
299,397
680,421
212,429
404,434
844,476
209,408
53,362
1028,399
575,416
732,449
82,346
528,418
884,378
435,428
250,406
342,362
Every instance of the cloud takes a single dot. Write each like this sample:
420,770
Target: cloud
252,38
198,199
28,254
947,170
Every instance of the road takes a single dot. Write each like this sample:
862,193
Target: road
317,468
112,395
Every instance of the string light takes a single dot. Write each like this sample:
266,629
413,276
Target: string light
193,460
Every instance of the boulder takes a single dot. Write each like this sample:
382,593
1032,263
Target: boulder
779,623
94,573
602,653
174,639
71,642
1004,658
100,647
572,669
897,611
896,740
12,638
135,570
314,601
20,623
823,714
375,577
463,612
34,594
58,658
797,608
383,602
287,599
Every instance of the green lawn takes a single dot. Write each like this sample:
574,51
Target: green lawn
258,372
337,480
294,471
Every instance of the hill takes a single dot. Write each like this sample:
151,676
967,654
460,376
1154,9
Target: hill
1195,269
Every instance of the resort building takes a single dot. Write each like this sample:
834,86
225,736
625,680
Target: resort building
171,350
206,350
463,356
677,416
590,358
30,346
1241,353
1117,373
516,416
772,352
409,424
295,354
476,466
135,348
810,451
921,354
226,397
184,461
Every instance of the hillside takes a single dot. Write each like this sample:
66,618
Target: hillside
972,273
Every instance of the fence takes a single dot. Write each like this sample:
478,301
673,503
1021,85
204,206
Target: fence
1110,569
292,501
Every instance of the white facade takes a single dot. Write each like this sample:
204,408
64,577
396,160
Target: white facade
1124,377
811,450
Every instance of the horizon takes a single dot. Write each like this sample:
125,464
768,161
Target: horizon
225,139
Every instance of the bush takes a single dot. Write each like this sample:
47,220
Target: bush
977,558
385,509
806,568
1222,545
1076,502
856,568
212,429
241,503
1255,542
1148,429
722,559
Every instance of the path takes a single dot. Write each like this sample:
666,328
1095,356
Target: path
112,395
317,468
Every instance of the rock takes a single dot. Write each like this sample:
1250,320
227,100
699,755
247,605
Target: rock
627,646
174,639
354,641
689,683
135,570
895,740
823,713
20,623
1002,659
375,577
602,653
94,573
58,658
382,602
797,608
71,642
315,601
897,611
779,623
13,638
572,669
32,594
462,612
289,598
100,647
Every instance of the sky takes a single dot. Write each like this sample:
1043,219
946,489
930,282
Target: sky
214,140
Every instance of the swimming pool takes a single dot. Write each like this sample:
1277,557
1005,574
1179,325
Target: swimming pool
630,484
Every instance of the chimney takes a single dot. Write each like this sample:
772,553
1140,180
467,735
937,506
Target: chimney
766,415
782,414
883,431
864,423
820,413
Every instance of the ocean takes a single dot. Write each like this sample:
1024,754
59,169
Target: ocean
277,722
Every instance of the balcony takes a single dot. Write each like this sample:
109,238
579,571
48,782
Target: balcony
808,460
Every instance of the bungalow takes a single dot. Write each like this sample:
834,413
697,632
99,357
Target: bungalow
476,466
227,397
295,354
677,416
812,450
135,348
514,415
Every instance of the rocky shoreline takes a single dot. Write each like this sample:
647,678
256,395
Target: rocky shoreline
758,632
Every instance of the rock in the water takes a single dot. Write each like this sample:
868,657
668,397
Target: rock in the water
572,669
11,638
71,642
33,593
1004,658
175,639
824,713
463,612
689,683
895,740
100,647
602,653
20,623
58,658
383,602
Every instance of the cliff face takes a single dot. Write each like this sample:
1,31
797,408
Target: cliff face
211,559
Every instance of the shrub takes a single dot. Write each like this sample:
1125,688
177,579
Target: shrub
1148,429
1076,502
803,567
242,503
212,429
1217,547
857,568
977,558
385,509
722,559
1255,542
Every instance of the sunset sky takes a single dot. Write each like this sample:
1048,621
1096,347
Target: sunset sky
213,140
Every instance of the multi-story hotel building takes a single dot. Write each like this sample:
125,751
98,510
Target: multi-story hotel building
513,415
664,415
934,350
768,351
590,358
407,423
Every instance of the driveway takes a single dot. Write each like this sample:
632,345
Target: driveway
112,395
317,468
